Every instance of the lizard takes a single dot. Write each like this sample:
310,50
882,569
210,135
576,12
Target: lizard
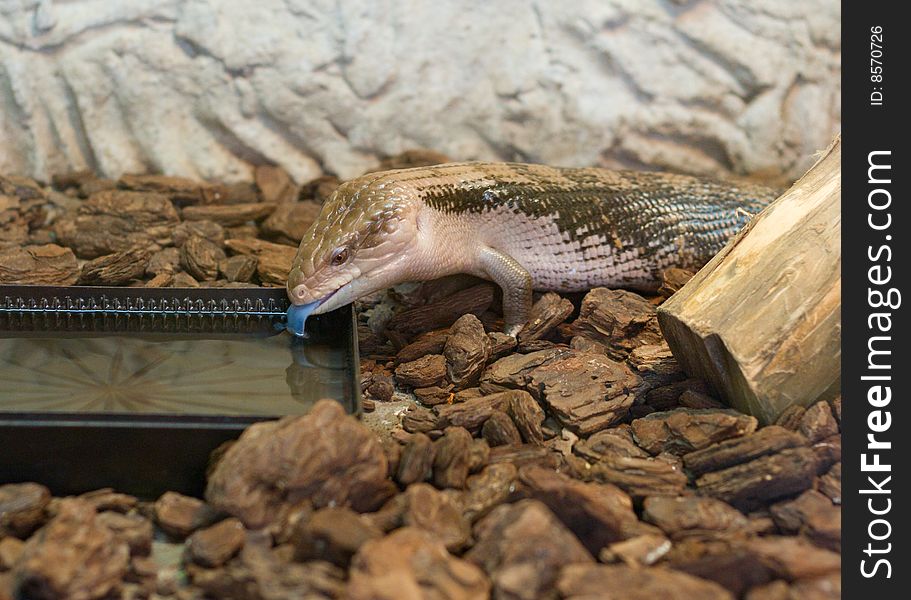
524,226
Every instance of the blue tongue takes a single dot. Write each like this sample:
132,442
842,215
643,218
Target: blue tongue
297,318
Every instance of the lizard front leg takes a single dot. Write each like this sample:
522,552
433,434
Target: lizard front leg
516,284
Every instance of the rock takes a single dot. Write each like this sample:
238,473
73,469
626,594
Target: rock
274,183
228,215
416,462
478,456
429,342
435,512
812,514
326,456
828,452
685,430
608,443
409,564
201,258
183,280
141,578
248,233
221,121
751,484
640,477
273,267
274,259
728,453
729,563
534,346
15,234
524,455
164,262
599,514
640,551
467,394
332,534
418,419
411,295
494,485
656,365
692,513
320,189
667,397
433,395
180,190
618,319
698,400
291,220
22,508
418,157
22,186
73,557
38,265
71,179
443,312
471,414
106,499
132,529
452,458
208,230
117,220
10,550
381,388
673,279
238,268
523,547
514,370
527,415
791,416
836,409
776,590
467,349
501,344
181,515
620,582
818,422
262,572
586,392
817,588
160,280
215,545
794,558
94,185
548,312
423,372
830,484
499,430
116,269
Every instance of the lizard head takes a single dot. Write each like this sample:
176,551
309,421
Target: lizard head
358,244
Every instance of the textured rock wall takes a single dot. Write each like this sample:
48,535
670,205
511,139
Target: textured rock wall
207,88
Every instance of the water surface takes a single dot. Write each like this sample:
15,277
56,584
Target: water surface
128,374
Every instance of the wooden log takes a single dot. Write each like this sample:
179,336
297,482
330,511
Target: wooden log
761,321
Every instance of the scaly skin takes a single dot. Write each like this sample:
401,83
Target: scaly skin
523,226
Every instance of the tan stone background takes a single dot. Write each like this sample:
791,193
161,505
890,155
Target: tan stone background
208,88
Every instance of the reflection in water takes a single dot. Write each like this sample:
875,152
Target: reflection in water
276,375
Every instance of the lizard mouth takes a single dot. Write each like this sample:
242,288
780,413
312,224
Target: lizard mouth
298,314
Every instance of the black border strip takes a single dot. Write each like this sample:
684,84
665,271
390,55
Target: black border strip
871,126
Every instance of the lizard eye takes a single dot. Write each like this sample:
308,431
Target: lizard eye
339,256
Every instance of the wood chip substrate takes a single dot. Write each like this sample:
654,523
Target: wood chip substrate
578,461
